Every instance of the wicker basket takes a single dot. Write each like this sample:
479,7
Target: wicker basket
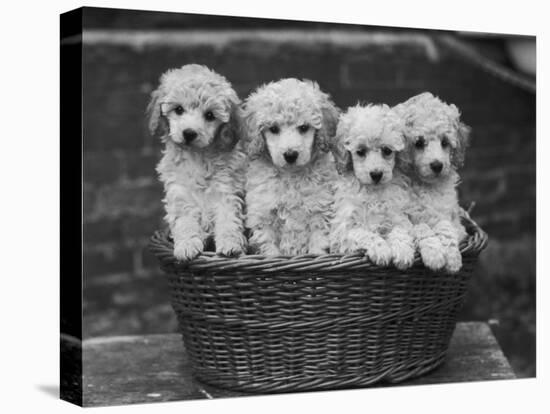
313,322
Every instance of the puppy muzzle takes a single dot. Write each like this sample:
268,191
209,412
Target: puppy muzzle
291,156
376,176
436,167
189,135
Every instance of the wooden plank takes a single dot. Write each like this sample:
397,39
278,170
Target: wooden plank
154,368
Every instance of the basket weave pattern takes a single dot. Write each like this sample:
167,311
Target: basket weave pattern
313,322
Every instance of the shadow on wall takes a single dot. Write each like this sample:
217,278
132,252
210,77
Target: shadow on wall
124,292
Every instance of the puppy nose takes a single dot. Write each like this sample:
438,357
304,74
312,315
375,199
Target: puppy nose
376,176
189,134
290,156
436,166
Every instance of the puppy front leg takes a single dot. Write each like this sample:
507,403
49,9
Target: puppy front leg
401,243
319,241
376,248
430,247
264,240
229,229
261,220
188,238
184,218
449,236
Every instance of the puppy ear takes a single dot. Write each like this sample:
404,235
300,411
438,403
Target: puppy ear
396,125
404,147
327,132
230,132
342,157
158,124
253,140
404,158
463,138
344,164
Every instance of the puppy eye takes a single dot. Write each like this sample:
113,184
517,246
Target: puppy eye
274,129
387,151
179,110
445,142
420,142
209,116
303,128
361,152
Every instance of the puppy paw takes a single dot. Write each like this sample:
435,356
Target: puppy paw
230,247
380,253
270,250
432,253
318,250
403,257
433,258
186,250
454,259
320,247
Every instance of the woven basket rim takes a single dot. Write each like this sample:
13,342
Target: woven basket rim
162,246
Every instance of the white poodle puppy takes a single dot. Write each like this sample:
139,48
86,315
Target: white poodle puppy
289,181
372,196
196,113
436,142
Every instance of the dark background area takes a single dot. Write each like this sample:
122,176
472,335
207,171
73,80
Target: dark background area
124,54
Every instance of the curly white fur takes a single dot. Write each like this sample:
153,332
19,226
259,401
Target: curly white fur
289,181
196,113
436,142
373,196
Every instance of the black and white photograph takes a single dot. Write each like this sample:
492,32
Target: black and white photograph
277,206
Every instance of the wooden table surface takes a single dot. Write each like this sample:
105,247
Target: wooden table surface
154,368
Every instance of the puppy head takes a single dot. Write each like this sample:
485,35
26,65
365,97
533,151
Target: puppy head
289,121
436,138
368,139
195,108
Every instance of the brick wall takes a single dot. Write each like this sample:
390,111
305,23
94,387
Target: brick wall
124,291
